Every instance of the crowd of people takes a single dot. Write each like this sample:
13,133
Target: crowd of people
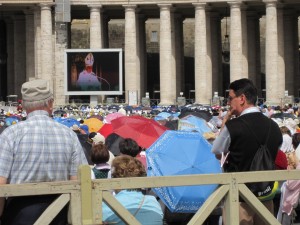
39,149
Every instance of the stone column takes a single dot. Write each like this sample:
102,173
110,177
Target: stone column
30,66
142,53
37,43
201,80
167,78
46,42
200,52
254,49
236,68
272,95
96,30
96,38
19,54
10,56
281,86
290,49
131,76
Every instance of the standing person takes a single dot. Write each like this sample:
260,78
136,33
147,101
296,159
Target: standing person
37,150
237,142
88,80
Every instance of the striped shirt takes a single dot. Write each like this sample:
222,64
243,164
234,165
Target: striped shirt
39,150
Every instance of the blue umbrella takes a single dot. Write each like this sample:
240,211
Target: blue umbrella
9,120
165,115
182,153
193,123
69,122
157,118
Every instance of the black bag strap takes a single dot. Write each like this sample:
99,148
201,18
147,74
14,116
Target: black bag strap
268,134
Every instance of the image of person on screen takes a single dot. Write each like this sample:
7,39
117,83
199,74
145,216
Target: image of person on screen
88,80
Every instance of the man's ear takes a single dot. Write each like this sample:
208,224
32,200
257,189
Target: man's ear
243,99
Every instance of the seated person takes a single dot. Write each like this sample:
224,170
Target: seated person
145,208
129,146
96,138
296,145
100,157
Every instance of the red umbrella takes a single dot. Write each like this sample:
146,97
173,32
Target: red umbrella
144,131
105,130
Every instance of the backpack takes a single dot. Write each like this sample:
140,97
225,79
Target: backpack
262,160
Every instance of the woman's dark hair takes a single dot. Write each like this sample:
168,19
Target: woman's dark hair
99,154
129,146
92,134
246,87
296,140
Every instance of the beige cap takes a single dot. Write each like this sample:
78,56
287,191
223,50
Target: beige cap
36,90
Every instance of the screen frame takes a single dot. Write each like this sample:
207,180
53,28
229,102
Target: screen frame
67,75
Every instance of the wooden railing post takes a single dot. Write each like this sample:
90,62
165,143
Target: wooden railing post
86,194
232,204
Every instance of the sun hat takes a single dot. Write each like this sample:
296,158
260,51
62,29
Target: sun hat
75,127
98,138
36,90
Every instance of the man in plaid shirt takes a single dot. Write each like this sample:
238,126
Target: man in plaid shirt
37,150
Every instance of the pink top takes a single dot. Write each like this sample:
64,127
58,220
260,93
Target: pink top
291,194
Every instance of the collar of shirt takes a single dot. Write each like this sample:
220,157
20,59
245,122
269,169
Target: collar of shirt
38,113
102,166
250,110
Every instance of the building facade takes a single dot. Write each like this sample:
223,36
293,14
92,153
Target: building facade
35,34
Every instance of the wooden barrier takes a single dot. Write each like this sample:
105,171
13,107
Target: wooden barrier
86,196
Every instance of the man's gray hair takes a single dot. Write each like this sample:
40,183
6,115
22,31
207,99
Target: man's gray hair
33,105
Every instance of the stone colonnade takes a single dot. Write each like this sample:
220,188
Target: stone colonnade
47,39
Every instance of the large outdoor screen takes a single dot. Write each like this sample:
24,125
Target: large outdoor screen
93,72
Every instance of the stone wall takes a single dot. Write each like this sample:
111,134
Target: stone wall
80,35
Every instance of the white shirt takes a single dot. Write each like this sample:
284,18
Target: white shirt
222,142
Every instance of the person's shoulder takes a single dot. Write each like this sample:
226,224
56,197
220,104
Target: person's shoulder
233,121
19,126
8,131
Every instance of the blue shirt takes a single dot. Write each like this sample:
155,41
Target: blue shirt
39,150
150,212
